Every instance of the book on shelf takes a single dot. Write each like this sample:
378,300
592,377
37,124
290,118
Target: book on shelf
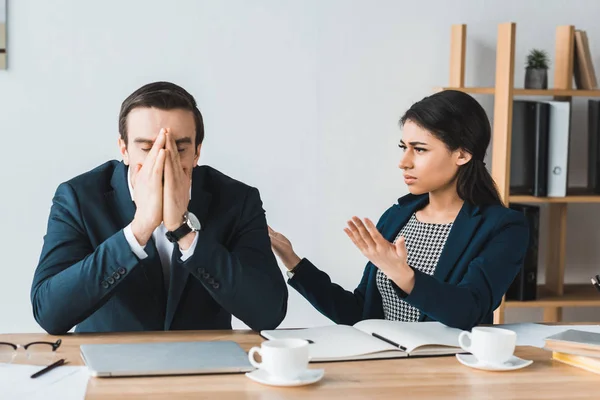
374,339
583,67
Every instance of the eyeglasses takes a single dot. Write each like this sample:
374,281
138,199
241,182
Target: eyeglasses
39,353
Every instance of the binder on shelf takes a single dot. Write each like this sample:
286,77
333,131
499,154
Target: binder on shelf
558,148
524,287
594,146
529,148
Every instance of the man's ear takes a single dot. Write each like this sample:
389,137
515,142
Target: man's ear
197,155
123,151
463,157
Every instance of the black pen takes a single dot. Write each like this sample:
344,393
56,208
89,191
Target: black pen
49,368
402,348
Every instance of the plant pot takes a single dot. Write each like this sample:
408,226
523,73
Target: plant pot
536,78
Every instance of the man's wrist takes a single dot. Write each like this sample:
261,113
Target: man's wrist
141,235
186,241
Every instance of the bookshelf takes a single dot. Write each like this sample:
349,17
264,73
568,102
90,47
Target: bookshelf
555,294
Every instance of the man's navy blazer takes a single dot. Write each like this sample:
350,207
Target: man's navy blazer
484,251
89,277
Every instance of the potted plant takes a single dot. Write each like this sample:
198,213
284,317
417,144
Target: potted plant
536,74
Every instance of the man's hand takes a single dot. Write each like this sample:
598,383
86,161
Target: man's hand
176,195
282,247
148,191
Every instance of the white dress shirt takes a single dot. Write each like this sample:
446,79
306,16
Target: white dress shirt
164,247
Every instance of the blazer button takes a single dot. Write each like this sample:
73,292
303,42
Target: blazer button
201,270
216,285
105,284
116,276
111,280
205,275
210,281
122,271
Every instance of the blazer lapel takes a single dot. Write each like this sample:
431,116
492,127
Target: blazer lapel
120,199
399,216
198,206
462,231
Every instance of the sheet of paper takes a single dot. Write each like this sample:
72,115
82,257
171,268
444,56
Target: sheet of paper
65,382
529,334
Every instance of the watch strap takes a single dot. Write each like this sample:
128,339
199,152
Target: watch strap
177,234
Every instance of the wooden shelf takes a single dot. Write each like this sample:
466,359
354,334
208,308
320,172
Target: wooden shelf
505,93
529,92
554,200
574,296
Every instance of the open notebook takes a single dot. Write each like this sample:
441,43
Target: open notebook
374,338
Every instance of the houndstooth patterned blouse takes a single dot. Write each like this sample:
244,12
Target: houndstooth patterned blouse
424,244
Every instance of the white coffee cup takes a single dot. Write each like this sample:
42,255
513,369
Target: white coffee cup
283,359
492,346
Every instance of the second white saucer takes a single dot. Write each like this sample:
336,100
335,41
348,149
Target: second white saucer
512,364
309,376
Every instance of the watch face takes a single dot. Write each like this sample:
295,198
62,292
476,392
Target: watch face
193,222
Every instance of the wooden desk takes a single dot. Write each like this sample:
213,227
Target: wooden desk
419,378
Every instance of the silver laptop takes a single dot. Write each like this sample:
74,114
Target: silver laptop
165,358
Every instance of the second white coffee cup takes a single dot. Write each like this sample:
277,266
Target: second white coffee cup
284,359
489,345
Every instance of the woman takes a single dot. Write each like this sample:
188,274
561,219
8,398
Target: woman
448,251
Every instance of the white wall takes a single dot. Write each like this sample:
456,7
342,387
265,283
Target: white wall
300,99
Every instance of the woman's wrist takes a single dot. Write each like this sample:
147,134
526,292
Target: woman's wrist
405,278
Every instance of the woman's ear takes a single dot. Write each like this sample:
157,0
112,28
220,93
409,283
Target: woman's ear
462,157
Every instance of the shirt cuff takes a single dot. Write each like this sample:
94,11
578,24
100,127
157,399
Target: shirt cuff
185,254
136,248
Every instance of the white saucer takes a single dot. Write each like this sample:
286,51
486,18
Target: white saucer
309,376
512,364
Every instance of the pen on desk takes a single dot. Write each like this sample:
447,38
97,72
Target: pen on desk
48,368
402,348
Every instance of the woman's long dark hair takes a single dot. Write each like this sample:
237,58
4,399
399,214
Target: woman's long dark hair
459,121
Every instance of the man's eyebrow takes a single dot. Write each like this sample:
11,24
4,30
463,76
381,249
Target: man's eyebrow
143,141
186,140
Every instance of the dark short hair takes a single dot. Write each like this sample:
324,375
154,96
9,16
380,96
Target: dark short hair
164,96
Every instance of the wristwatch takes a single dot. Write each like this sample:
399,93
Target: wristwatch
190,224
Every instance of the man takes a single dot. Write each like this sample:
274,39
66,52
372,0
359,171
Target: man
156,242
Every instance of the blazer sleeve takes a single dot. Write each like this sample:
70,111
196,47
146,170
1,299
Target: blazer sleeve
487,279
333,301
72,279
243,277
